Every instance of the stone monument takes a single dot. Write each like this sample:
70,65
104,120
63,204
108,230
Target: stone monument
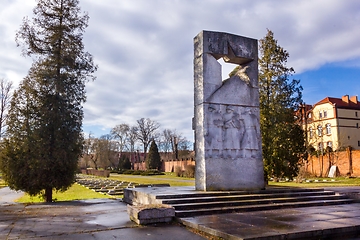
226,121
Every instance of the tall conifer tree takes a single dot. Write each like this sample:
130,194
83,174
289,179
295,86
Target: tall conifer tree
280,98
44,140
153,160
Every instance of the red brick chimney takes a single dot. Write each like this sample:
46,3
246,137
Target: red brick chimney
354,99
345,98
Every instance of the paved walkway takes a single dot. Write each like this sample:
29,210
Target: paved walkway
89,219
108,219
320,222
8,196
325,222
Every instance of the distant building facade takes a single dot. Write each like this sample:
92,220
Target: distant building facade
332,123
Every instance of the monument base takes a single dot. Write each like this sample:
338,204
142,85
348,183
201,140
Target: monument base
230,175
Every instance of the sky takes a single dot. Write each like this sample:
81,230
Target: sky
144,51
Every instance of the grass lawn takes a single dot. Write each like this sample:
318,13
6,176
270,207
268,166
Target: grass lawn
75,192
320,182
78,192
179,181
173,180
169,178
2,183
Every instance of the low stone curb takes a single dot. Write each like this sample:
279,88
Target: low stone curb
151,213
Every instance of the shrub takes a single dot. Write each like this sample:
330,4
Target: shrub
152,172
178,171
126,171
142,173
190,171
136,172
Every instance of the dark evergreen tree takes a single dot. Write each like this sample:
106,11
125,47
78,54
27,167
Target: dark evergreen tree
124,162
282,138
153,160
44,140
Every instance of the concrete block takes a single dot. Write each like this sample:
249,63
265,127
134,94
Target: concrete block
151,213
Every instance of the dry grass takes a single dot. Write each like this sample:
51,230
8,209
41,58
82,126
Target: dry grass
320,182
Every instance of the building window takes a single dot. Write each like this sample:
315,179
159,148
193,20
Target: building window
358,143
320,114
356,114
319,131
321,146
328,128
311,132
309,115
357,125
325,114
329,144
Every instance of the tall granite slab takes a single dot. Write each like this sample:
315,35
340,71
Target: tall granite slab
226,120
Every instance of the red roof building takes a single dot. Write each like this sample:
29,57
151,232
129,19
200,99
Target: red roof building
334,123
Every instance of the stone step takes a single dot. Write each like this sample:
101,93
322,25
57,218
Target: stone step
153,185
232,193
242,197
249,202
261,207
115,192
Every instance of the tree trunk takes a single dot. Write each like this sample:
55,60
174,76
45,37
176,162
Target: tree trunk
349,155
48,194
320,165
330,164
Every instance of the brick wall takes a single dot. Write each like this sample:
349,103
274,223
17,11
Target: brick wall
348,163
168,165
139,166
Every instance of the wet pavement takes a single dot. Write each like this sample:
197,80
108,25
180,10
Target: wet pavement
108,219
325,222
320,222
89,219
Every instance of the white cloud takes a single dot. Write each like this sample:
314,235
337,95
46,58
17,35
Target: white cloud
144,48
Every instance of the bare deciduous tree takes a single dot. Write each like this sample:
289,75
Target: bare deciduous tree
167,138
5,98
172,141
147,131
106,152
132,138
120,133
88,152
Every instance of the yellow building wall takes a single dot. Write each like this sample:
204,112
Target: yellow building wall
349,113
344,125
328,115
349,128
326,107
